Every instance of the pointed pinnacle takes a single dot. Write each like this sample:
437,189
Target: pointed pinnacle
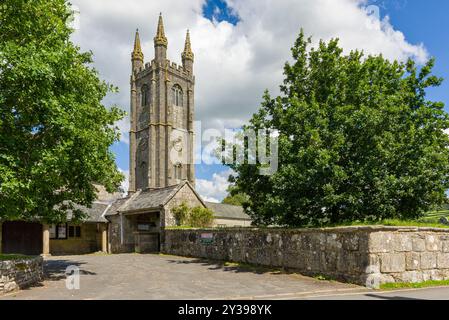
188,54
137,52
160,38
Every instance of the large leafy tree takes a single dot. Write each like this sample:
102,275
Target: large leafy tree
358,140
54,131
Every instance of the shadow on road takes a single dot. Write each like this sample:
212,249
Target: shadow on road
232,267
235,267
377,296
55,270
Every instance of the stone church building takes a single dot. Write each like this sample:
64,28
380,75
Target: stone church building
162,172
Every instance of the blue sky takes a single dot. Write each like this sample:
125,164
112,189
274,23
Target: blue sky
420,22
426,22
219,10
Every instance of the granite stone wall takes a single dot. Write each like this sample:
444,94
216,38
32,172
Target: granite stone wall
367,256
19,274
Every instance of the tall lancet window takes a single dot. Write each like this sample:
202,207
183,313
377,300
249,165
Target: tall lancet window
178,171
177,95
145,94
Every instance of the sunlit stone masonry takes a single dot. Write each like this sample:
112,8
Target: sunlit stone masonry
368,256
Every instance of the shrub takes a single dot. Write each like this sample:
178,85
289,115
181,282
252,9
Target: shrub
181,213
201,217
197,217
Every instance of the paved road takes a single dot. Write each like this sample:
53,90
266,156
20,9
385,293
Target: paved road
133,276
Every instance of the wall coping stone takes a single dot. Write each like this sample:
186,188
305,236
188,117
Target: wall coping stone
374,228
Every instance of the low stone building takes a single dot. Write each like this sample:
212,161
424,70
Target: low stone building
35,238
114,224
136,222
228,215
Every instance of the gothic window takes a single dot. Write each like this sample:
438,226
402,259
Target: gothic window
178,171
145,92
177,95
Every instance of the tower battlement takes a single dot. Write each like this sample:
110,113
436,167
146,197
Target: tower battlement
173,68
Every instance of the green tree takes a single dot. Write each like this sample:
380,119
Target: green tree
234,197
54,131
358,140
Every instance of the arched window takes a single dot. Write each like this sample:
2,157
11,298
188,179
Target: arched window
178,171
145,92
177,95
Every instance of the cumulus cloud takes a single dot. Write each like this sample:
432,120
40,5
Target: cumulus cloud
214,190
234,63
125,183
124,126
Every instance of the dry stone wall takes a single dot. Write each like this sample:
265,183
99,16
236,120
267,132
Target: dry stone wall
367,256
19,274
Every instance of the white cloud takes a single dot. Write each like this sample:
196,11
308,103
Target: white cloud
125,182
124,126
233,63
214,190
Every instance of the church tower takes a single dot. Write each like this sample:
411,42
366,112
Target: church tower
162,113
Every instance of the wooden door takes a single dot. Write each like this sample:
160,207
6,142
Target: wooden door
20,237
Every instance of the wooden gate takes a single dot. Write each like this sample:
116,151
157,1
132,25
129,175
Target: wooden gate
22,238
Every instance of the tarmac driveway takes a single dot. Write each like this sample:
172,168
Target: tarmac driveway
134,276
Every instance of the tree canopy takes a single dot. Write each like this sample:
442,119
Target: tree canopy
234,197
358,140
55,133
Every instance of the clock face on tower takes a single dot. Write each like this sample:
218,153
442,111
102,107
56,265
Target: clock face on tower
177,144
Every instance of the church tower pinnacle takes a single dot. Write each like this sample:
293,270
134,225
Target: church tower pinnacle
160,41
187,55
137,54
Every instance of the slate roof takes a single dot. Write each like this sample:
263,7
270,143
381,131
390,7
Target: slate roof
226,211
115,206
149,199
153,200
95,214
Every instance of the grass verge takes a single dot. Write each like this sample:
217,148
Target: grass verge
418,285
6,257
